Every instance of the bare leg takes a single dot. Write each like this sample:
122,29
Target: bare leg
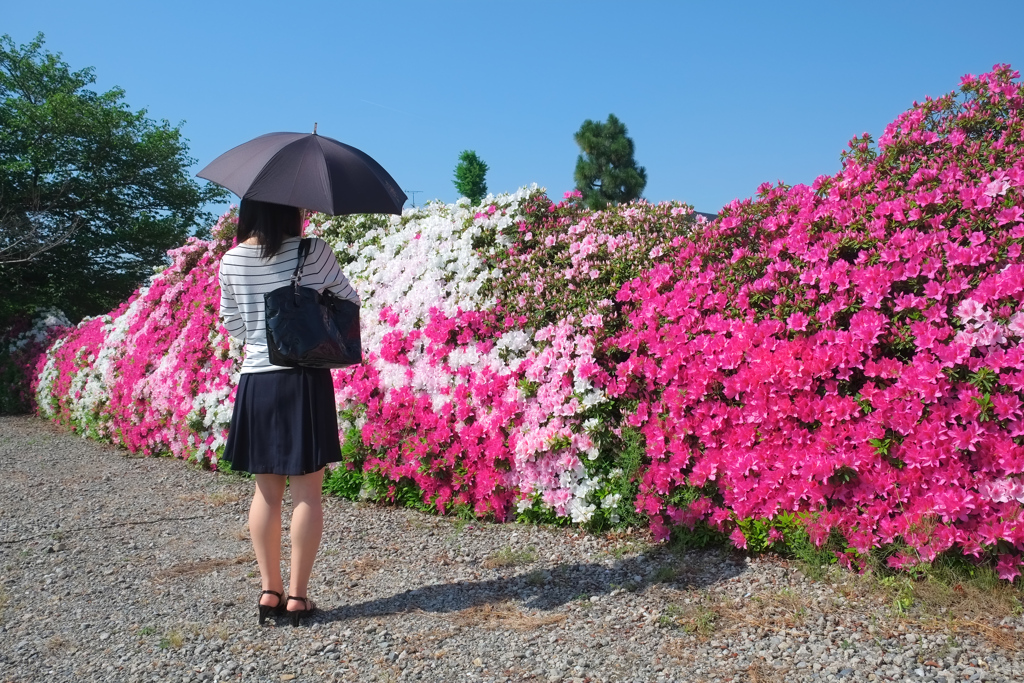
307,528
265,529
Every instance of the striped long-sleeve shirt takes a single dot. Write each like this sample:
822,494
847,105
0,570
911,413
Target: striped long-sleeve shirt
245,278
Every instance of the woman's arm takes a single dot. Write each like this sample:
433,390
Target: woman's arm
229,313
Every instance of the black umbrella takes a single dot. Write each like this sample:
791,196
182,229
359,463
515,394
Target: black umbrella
309,171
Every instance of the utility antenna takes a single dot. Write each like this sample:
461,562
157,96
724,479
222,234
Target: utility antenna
412,193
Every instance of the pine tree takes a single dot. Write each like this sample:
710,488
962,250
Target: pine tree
470,176
606,172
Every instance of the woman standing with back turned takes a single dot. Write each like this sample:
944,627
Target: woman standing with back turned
285,424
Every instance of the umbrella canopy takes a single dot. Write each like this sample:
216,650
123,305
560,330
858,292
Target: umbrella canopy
309,171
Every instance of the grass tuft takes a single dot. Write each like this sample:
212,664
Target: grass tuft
507,557
173,639
698,617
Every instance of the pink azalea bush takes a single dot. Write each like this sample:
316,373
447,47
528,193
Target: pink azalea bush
463,402
158,374
837,364
849,350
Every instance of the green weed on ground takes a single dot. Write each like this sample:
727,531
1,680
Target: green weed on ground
699,617
507,557
950,588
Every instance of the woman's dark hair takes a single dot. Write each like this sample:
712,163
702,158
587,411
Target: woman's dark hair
269,223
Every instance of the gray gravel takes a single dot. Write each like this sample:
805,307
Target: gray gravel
118,568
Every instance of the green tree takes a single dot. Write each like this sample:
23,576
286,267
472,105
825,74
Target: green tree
470,176
92,194
606,172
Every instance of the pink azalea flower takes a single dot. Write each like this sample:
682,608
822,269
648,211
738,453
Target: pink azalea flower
1008,567
1012,214
797,321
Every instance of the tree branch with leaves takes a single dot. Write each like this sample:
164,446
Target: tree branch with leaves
92,193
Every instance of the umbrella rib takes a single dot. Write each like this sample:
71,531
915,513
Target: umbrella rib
324,175
268,168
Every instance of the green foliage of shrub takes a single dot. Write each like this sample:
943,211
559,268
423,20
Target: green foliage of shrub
628,460
343,482
347,479
13,400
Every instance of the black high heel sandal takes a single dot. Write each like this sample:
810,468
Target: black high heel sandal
298,614
267,610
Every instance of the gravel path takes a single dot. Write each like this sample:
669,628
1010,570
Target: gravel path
137,569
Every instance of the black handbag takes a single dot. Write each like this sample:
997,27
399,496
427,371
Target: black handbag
307,329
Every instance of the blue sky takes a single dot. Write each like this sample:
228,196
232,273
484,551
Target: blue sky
718,97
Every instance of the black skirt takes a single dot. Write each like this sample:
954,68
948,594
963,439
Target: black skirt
284,422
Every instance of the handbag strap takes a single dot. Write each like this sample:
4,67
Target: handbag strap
304,247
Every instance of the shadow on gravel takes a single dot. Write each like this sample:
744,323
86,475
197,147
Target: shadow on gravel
548,589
